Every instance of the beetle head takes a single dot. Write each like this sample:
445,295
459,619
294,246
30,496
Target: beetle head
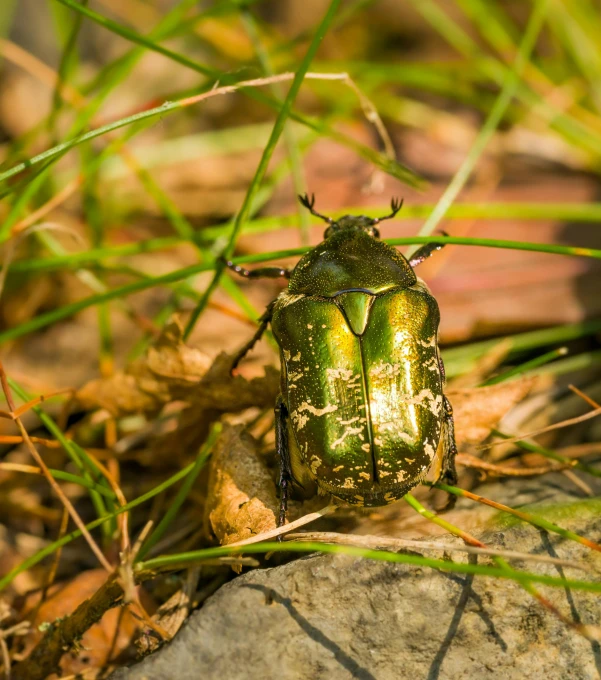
357,222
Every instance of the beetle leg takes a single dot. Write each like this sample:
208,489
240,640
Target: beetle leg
424,253
264,320
281,445
261,272
443,373
448,472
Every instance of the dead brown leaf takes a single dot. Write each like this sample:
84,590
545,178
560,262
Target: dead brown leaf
218,392
168,371
478,409
242,498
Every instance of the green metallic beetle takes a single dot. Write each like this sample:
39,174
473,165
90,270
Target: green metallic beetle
361,414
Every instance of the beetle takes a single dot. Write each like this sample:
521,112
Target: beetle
361,413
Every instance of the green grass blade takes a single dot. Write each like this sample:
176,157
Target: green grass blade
202,457
67,538
180,560
66,311
278,128
527,366
492,122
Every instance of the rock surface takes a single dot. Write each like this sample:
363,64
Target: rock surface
340,617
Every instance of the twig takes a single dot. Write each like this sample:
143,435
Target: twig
63,633
375,542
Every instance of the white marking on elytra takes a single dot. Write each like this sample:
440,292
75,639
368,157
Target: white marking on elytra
365,475
338,468
365,447
286,355
429,450
348,422
394,426
432,363
296,357
295,375
385,369
426,399
314,464
348,483
309,326
400,475
348,433
431,342
301,420
339,373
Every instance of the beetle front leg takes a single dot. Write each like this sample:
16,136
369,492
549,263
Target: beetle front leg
260,272
283,451
424,252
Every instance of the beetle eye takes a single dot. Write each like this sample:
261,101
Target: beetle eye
375,232
328,232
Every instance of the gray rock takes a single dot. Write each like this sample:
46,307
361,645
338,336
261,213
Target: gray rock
339,617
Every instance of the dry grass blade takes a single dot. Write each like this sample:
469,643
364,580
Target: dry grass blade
13,243
582,395
527,517
287,528
542,430
375,542
505,470
55,486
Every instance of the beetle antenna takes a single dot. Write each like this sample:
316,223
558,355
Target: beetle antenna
309,203
395,206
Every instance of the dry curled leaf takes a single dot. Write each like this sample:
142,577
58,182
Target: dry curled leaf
477,410
221,391
170,370
218,392
242,499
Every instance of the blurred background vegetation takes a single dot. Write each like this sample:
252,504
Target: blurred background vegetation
119,192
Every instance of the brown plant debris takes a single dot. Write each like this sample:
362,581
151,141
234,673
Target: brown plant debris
478,409
63,633
242,498
170,370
